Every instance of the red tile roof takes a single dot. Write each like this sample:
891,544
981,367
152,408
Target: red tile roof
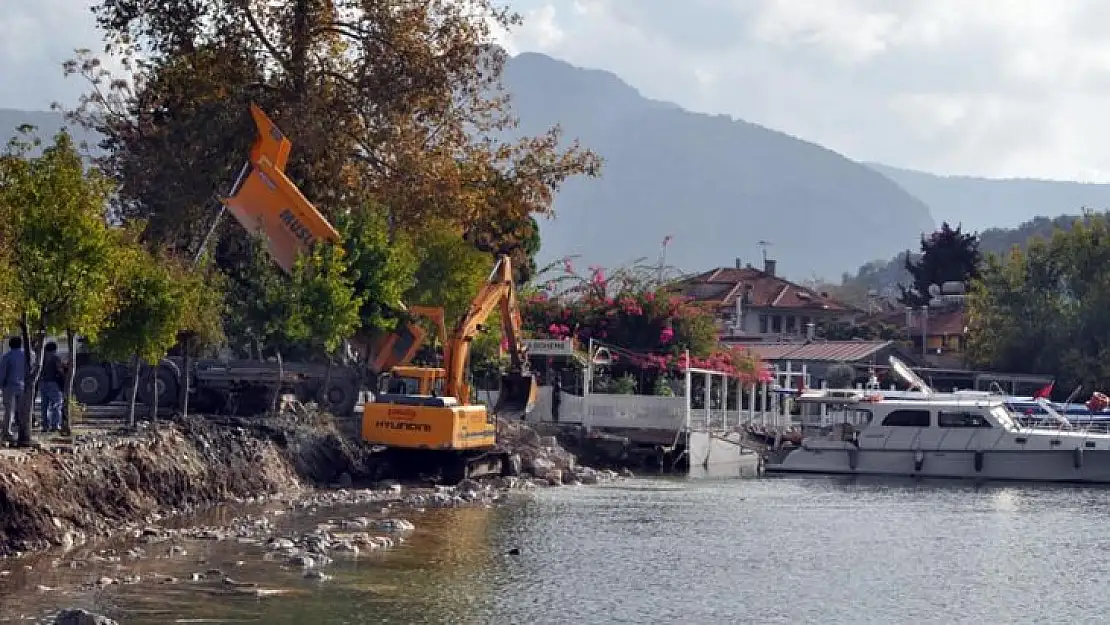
722,286
828,351
940,323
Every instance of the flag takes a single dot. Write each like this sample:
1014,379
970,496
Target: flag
1045,392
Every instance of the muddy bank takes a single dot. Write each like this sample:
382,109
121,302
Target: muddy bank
120,483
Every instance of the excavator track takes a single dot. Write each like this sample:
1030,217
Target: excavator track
448,468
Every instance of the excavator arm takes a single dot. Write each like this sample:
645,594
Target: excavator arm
518,386
265,200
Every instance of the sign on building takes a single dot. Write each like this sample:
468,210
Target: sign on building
549,347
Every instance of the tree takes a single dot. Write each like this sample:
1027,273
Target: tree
947,255
147,317
394,101
380,270
53,214
203,290
449,274
1047,309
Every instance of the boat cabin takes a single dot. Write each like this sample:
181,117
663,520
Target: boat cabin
921,410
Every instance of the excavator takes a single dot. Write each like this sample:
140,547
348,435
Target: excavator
432,421
450,430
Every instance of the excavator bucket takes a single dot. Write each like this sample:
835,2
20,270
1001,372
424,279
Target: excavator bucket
517,397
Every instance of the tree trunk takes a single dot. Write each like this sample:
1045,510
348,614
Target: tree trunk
136,370
71,374
187,367
31,381
277,387
322,398
154,393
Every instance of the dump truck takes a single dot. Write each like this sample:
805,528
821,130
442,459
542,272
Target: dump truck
263,200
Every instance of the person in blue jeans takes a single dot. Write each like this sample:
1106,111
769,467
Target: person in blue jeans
50,388
13,372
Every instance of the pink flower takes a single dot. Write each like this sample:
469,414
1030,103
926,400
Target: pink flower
649,296
504,344
666,335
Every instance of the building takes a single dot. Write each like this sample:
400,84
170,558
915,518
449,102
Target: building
756,305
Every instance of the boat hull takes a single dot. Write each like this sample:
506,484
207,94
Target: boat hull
1059,465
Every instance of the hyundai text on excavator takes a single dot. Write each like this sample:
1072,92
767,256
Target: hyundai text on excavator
450,430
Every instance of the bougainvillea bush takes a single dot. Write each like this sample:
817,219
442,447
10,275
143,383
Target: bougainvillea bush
648,323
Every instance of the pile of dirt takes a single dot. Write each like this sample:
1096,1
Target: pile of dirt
111,481
126,480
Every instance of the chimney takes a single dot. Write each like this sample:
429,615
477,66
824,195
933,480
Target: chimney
769,266
738,265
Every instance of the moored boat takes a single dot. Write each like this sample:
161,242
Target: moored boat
946,435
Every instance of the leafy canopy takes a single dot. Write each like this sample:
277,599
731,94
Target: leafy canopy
1047,309
55,240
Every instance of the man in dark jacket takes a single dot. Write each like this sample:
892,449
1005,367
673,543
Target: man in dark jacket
13,372
50,387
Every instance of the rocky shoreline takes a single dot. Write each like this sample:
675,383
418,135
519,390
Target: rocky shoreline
136,486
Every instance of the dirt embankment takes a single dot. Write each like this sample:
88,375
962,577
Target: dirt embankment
114,482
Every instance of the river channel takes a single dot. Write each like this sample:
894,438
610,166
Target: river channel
768,550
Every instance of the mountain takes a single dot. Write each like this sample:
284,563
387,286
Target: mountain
981,203
717,185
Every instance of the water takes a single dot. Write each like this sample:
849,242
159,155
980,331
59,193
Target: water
773,550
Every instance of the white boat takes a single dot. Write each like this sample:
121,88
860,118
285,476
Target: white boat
944,435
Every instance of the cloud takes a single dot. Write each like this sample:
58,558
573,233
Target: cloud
1014,88
992,87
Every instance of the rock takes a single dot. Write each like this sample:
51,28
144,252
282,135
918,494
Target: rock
82,617
105,581
537,465
305,562
317,575
554,477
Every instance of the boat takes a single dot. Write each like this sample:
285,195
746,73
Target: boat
957,435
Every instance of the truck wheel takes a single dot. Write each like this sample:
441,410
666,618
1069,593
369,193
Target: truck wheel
167,388
341,399
92,386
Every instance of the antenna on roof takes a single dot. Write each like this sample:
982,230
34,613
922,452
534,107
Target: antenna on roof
764,245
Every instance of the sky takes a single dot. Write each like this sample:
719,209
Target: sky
997,88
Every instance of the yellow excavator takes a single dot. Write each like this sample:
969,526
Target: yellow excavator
431,422
450,430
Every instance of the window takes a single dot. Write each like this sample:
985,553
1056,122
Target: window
908,419
763,324
776,324
790,327
961,420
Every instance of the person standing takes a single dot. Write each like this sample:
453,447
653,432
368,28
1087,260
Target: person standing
13,373
50,387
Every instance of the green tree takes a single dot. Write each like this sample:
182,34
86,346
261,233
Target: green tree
449,274
379,269
53,211
203,290
1045,310
947,255
148,315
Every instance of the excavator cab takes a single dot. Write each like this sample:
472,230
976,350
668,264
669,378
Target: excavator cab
517,397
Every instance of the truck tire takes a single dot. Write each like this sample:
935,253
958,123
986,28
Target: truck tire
93,385
341,399
167,388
